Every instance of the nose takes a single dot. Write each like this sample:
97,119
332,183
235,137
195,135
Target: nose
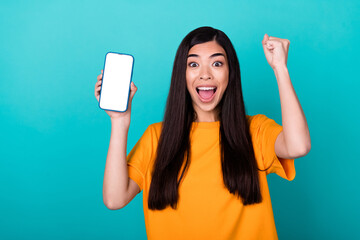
205,74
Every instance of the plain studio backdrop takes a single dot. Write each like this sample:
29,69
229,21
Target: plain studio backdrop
54,138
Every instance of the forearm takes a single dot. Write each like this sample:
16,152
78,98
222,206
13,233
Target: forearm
116,177
295,128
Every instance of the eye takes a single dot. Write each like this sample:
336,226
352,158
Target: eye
193,64
217,64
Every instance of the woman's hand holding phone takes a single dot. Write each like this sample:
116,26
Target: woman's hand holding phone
118,116
116,185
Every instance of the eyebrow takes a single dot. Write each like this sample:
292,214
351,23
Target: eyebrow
214,55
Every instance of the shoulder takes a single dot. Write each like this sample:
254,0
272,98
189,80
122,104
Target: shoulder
155,126
154,129
261,124
255,120
149,138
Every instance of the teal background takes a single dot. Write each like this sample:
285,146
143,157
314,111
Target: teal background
54,138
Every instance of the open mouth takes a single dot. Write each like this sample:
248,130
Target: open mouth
206,94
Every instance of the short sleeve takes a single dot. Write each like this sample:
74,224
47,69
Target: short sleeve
139,157
267,130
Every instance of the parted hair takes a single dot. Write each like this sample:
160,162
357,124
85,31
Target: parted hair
239,167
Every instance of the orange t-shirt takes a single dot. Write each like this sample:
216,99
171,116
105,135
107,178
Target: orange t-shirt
206,209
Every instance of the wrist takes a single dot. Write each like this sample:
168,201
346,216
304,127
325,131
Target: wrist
120,121
280,68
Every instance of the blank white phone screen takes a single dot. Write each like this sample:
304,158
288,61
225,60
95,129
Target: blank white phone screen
116,80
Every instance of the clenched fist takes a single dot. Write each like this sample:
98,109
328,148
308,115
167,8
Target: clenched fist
276,51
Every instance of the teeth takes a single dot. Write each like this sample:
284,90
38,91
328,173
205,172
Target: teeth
206,88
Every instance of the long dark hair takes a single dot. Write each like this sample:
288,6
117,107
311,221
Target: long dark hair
238,162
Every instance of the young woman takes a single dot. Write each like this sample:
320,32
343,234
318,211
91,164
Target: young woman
203,169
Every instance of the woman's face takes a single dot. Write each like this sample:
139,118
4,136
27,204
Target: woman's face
207,76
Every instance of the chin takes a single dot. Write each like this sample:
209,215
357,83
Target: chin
206,107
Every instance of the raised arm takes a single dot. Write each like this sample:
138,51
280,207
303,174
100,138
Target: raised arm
294,141
118,188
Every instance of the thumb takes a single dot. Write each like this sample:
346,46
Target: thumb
266,37
264,44
265,47
133,90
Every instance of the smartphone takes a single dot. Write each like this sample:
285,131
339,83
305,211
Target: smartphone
116,80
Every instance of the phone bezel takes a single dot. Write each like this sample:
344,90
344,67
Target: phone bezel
132,68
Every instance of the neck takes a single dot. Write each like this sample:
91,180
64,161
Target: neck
210,116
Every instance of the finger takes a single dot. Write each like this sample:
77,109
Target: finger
133,90
272,44
278,39
99,77
97,95
98,83
266,50
272,38
268,45
283,40
265,38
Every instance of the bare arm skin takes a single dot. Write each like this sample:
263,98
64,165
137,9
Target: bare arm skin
294,141
295,135
118,188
